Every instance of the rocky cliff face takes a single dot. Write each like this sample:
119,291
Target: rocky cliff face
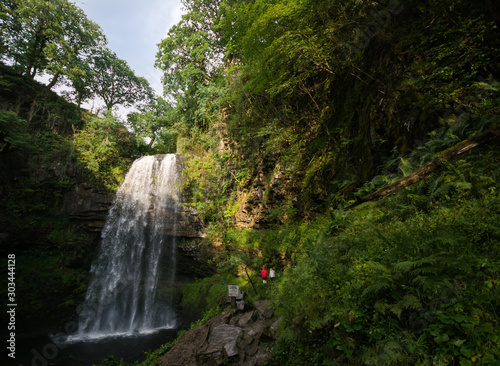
87,205
189,224
261,193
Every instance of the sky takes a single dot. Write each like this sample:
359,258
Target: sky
133,29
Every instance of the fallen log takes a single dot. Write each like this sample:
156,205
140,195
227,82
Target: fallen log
444,158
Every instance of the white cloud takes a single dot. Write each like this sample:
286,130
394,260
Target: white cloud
175,17
162,17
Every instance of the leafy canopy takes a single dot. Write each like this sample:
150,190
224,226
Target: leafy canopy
155,123
53,37
112,79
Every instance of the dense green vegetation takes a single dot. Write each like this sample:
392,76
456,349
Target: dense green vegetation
410,280
340,98
343,98
290,86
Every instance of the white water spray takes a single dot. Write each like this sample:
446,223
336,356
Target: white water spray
139,234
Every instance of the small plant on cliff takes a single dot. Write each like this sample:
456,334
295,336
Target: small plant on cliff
14,133
106,148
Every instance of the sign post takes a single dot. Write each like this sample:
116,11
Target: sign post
233,291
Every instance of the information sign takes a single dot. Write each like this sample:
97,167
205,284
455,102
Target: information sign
233,290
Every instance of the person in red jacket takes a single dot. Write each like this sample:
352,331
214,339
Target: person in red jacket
264,275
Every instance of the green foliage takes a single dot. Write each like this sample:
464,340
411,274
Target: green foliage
283,44
209,176
191,58
155,123
205,294
454,52
286,83
438,141
391,283
112,79
40,108
47,36
57,38
13,133
105,147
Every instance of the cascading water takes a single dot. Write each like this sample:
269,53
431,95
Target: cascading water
122,297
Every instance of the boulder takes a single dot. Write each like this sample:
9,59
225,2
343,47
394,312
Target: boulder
248,318
268,312
221,336
231,338
231,349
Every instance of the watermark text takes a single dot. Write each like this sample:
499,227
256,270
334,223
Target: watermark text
11,305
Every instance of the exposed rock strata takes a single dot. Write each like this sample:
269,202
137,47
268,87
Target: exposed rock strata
260,194
88,205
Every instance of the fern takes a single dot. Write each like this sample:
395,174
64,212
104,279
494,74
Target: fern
435,185
377,265
406,166
425,271
412,266
434,272
427,153
431,284
409,301
381,286
381,307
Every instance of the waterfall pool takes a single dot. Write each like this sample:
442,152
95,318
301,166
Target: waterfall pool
60,351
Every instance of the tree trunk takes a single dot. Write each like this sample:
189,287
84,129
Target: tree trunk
31,71
250,280
444,158
53,81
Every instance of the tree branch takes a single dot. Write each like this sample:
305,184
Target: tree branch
444,158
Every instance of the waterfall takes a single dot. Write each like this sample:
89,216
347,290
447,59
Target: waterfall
137,254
